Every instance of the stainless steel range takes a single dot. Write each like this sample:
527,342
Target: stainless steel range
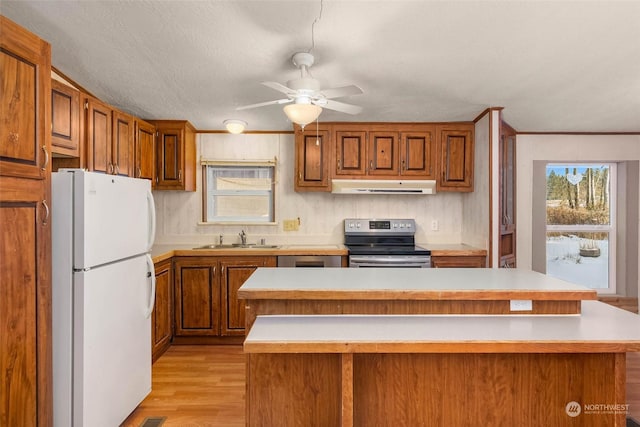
384,243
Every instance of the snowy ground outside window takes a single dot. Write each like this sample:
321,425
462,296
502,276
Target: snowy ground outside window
564,262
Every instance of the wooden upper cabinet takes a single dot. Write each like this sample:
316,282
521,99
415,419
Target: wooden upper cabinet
350,152
312,159
65,119
382,153
384,150
455,152
25,70
109,138
144,150
417,154
123,142
411,151
98,127
175,155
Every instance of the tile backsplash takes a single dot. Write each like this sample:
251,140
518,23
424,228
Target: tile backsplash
321,215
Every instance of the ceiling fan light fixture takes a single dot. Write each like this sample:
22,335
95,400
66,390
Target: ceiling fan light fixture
235,126
302,114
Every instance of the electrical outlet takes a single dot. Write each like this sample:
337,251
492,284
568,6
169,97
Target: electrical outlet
521,305
291,225
434,225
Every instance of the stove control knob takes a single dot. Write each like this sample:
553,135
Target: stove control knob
402,225
358,225
395,225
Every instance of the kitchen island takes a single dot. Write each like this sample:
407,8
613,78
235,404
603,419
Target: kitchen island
408,291
469,362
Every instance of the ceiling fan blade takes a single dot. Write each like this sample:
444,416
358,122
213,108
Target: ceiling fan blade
262,104
340,106
279,87
337,92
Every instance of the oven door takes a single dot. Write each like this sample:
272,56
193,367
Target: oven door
390,261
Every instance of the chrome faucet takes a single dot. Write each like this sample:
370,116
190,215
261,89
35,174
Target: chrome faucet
243,237
221,239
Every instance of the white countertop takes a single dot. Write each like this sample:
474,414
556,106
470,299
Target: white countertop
600,328
412,281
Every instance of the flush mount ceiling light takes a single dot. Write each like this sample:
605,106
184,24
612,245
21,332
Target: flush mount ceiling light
235,126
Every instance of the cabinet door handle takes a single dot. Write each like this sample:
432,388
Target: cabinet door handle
139,172
46,158
180,175
117,169
45,220
111,168
370,165
338,164
403,165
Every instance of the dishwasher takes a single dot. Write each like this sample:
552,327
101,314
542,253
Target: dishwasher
319,261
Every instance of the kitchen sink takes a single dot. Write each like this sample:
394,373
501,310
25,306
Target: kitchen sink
238,246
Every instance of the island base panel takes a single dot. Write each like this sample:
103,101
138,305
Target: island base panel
434,389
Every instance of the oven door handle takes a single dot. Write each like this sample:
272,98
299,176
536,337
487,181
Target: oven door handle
355,261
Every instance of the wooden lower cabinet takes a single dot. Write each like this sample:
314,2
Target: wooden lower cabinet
205,294
475,261
161,324
234,272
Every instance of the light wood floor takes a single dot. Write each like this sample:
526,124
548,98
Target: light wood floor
203,386
196,386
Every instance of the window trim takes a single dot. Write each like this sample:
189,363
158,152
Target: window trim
238,163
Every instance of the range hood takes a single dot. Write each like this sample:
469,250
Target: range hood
382,186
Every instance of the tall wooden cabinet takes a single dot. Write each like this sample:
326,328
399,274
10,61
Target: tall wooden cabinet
507,242
25,240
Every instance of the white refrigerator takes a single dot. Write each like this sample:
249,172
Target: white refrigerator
103,296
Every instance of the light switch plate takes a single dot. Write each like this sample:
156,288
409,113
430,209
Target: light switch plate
521,305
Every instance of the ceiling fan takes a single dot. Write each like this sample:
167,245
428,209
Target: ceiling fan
306,96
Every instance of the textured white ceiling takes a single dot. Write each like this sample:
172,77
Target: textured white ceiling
553,65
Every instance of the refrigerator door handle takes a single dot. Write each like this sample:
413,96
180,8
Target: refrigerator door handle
152,219
152,296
